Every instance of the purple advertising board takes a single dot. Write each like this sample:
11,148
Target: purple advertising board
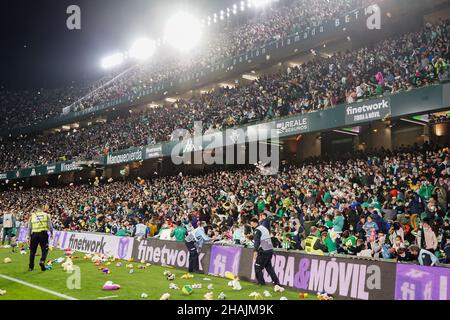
22,234
415,282
224,259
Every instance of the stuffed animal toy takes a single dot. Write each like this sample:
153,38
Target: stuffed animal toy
129,266
210,286
68,265
49,267
196,286
173,286
170,276
59,260
23,252
106,271
206,279
7,260
96,259
166,273
236,284
148,264
283,298
187,290
144,295
165,296
209,296
221,296
131,271
303,295
267,294
229,275
2,292
255,295
109,285
119,264
143,261
277,288
142,267
187,276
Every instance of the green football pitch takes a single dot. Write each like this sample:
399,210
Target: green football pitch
20,284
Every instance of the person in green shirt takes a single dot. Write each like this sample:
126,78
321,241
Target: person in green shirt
331,245
179,232
348,241
122,232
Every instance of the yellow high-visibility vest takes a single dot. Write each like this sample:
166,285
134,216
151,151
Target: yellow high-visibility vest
310,241
39,221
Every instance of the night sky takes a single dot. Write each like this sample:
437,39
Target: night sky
38,51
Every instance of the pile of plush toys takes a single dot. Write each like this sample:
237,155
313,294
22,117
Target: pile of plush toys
324,296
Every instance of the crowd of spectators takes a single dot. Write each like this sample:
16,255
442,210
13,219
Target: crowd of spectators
382,204
399,64
287,17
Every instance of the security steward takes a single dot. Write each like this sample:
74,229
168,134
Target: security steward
38,227
191,245
313,244
263,253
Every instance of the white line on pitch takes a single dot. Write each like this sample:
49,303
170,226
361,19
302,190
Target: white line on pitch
38,288
108,297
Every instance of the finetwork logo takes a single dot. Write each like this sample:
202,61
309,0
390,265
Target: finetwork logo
164,255
384,104
83,244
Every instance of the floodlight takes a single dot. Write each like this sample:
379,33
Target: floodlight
112,60
183,31
142,49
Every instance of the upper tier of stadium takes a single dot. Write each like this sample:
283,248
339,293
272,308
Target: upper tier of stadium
400,63
283,18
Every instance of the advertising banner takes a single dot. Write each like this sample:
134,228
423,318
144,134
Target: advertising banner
154,151
224,259
293,125
415,282
367,111
119,247
124,156
168,253
342,278
22,234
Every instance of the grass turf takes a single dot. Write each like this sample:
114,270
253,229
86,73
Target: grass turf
150,281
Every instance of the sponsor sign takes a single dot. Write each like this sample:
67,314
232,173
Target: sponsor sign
72,166
296,125
224,259
22,234
130,156
51,169
119,247
342,278
3,176
168,253
367,111
415,282
153,152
